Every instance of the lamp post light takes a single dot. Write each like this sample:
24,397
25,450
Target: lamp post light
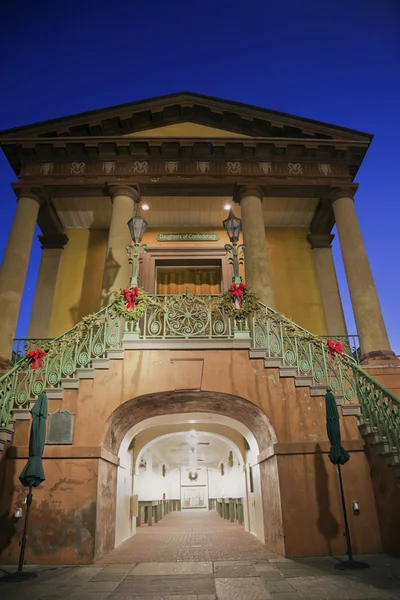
137,227
233,227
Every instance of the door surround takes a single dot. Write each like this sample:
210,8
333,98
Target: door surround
158,254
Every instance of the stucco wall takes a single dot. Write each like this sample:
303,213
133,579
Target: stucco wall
79,278
294,277
142,386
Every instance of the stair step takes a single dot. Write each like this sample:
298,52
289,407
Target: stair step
288,372
318,390
70,383
21,414
270,362
116,353
351,410
54,393
6,434
302,381
257,352
85,373
392,457
101,363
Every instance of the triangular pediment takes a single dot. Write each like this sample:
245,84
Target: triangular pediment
188,130
174,115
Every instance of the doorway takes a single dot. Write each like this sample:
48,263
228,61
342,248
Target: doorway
190,277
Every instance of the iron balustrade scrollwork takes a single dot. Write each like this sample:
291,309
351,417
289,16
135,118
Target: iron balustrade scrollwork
187,316
75,349
380,410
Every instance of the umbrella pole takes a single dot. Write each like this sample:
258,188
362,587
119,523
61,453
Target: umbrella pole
346,523
24,535
351,563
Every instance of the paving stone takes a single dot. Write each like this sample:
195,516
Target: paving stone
110,576
267,575
167,585
246,588
287,596
98,586
235,570
262,567
200,568
277,585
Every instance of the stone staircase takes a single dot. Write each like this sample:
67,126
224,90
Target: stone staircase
366,395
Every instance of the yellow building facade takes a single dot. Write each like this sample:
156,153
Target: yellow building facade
252,386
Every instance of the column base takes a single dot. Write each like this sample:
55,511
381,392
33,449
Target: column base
379,357
5,364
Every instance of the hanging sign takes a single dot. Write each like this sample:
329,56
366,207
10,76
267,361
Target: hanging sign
187,237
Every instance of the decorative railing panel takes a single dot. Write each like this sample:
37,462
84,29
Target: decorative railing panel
178,317
308,354
185,316
380,409
76,349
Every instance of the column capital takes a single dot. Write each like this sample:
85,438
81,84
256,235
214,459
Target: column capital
248,190
28,192
342,192
124,190
320,240
53,241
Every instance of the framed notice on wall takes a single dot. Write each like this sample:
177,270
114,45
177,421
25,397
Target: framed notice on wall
194,496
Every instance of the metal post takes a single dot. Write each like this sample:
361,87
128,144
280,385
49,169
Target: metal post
351,564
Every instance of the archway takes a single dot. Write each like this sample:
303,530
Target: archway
242,417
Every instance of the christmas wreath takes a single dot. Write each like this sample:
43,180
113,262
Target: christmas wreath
193,476
131,304
239,302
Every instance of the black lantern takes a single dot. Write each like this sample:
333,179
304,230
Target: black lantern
137,226
233,227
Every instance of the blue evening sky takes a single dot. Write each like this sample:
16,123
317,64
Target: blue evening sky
333,60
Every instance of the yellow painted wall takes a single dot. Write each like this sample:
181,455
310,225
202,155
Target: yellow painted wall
79,278
294,278
186,130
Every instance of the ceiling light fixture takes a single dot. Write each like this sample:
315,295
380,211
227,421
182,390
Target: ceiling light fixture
145,207
226,207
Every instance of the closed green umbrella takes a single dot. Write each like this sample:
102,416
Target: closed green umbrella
338,456
32,475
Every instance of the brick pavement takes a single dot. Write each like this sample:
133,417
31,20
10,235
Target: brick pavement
254,578
189,536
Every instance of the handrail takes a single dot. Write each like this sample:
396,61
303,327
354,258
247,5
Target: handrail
170,316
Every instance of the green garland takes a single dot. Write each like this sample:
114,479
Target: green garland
222,468
230,459
131,315
249,307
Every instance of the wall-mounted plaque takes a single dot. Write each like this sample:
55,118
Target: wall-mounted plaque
187,237
61,427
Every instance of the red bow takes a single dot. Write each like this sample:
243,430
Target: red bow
36,356
131,296
335,347
237,292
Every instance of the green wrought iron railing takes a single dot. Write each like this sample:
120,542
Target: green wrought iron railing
380,410
186,317
75,349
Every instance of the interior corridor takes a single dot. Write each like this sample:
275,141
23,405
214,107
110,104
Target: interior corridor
189,536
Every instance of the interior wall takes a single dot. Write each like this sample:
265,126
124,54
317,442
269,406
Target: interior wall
294,277
79,279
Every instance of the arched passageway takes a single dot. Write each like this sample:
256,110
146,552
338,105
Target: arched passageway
145,432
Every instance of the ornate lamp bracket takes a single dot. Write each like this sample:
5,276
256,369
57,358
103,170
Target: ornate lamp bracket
236,259
135,257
